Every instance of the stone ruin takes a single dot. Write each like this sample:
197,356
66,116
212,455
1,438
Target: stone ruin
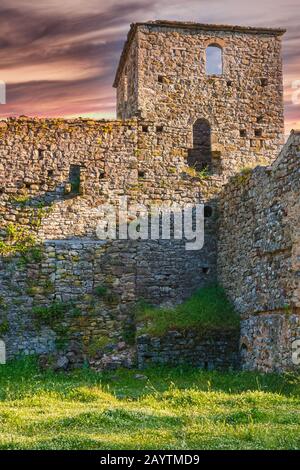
198,107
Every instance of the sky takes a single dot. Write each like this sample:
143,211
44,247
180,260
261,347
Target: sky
58,57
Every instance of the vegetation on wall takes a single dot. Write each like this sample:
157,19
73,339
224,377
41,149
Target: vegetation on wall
98,344
105,294
208,309
17,239
4,326
194,173
48,314
21,239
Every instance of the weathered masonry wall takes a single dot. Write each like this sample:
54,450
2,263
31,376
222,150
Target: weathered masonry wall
243,105
55,175
69,273
214,350
115,159
183,133
99,283
258,257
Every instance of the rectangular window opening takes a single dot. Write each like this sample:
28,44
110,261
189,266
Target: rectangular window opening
264,82
74,178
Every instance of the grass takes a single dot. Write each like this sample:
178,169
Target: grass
180,408
207,309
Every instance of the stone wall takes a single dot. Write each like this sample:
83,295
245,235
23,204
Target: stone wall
63,289
92,283
258,257
212,350
243,105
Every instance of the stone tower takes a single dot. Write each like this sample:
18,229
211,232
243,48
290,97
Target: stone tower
219,85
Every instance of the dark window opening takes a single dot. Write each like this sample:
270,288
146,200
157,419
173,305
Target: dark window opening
208,211
214,60
41,153
229,83
243,133
205,365
141,174
243,350
205,270
264,82
258,132
159,128
145,128
101,174
160,79
259,119
74,178
199,157
50,173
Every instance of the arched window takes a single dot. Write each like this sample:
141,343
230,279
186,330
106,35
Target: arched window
214,60
200,155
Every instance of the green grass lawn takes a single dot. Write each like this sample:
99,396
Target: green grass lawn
180,408
208,309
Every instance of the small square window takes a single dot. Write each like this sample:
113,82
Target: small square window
258,132
101,174
145,128
159,128
243,133
160,79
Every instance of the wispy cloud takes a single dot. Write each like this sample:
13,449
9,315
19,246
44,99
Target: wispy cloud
58,58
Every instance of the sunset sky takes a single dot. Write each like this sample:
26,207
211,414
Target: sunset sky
58,57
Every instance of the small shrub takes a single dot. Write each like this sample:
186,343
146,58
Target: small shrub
18,239
75,312
194,173
100,291
98,344
21,199
49,314
4,327
106,295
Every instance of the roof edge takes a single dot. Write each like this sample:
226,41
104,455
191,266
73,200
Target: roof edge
192,26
